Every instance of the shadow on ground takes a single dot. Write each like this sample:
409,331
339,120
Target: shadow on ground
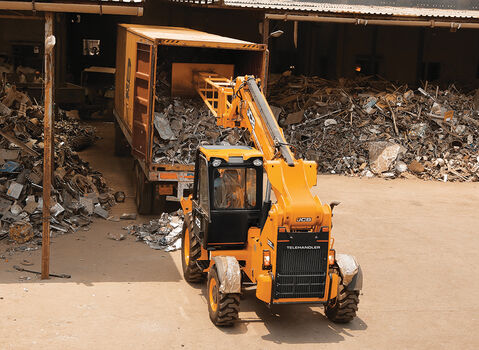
285,324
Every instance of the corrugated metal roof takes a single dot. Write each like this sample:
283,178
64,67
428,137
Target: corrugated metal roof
111,2
310,6
402,8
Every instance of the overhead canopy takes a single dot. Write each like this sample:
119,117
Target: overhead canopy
400,8
106,7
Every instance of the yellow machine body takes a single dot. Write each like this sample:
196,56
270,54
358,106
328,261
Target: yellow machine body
296,209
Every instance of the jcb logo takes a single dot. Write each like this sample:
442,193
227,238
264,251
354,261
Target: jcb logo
304,219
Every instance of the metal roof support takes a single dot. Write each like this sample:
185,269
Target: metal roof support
381,22
48,141
76,8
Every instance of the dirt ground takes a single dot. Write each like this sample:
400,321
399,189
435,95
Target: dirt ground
416,241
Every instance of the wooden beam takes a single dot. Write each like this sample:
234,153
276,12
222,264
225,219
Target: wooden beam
47,141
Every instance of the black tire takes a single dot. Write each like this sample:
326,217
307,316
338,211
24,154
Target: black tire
122,147
144,192
342,309
190,253
159,204
222,307
81,142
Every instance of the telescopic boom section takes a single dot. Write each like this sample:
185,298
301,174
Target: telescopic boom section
240,103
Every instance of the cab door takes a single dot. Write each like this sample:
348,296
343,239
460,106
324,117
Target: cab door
201,199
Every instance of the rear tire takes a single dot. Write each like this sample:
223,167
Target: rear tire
190,253
342,309
121,143
223,307
144,191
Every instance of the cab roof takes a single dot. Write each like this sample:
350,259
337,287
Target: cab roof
225,152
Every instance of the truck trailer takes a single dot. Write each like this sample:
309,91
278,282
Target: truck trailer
182,52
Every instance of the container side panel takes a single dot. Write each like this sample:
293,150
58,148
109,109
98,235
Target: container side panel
142,100
129,83
120,72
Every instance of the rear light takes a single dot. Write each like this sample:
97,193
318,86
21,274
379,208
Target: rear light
332,257
266,260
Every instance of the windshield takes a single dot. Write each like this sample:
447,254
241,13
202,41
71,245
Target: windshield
235,188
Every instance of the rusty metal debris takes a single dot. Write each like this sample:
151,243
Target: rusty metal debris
161,234
181,125
77,190
372,127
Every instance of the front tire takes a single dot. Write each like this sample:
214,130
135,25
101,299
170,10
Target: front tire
222,307
342,309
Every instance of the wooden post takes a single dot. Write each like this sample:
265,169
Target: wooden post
265,30
48,142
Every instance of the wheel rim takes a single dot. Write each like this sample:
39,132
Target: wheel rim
186,247
213,294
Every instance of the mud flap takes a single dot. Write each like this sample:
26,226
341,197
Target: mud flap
350,272
229,274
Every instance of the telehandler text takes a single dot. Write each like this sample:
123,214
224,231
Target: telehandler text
303,247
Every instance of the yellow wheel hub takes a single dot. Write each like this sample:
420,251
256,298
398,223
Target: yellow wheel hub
186,247
213,294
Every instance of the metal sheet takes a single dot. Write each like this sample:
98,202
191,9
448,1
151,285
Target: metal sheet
178,36
409,8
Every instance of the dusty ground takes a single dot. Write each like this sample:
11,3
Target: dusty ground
416,241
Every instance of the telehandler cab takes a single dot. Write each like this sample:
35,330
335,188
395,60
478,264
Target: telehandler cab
234,232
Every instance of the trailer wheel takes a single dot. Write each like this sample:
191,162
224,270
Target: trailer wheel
121,143
159,203
144,191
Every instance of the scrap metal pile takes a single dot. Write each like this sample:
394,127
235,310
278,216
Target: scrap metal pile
77,192
161,234
181,125
367,127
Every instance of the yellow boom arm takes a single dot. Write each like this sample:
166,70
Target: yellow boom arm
240,103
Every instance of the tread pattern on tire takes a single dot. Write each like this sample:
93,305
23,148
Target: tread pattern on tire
228,309
344,310
228,305
192,272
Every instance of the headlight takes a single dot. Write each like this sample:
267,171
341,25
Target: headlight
216,163
257,162
266,260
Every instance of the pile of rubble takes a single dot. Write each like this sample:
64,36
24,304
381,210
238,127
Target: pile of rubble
161,234
78,191
367,127
181,125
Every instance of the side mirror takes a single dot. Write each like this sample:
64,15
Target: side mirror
332,205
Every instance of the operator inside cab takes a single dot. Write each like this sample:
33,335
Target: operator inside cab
234,189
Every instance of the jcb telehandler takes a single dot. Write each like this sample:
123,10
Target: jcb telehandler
234,232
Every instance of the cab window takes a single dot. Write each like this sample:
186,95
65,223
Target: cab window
203,185
234,188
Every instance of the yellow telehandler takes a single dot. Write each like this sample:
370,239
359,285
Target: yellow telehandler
235,233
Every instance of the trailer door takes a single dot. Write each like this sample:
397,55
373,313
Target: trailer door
142,104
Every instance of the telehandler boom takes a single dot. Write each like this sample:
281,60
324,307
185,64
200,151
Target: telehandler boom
235,233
